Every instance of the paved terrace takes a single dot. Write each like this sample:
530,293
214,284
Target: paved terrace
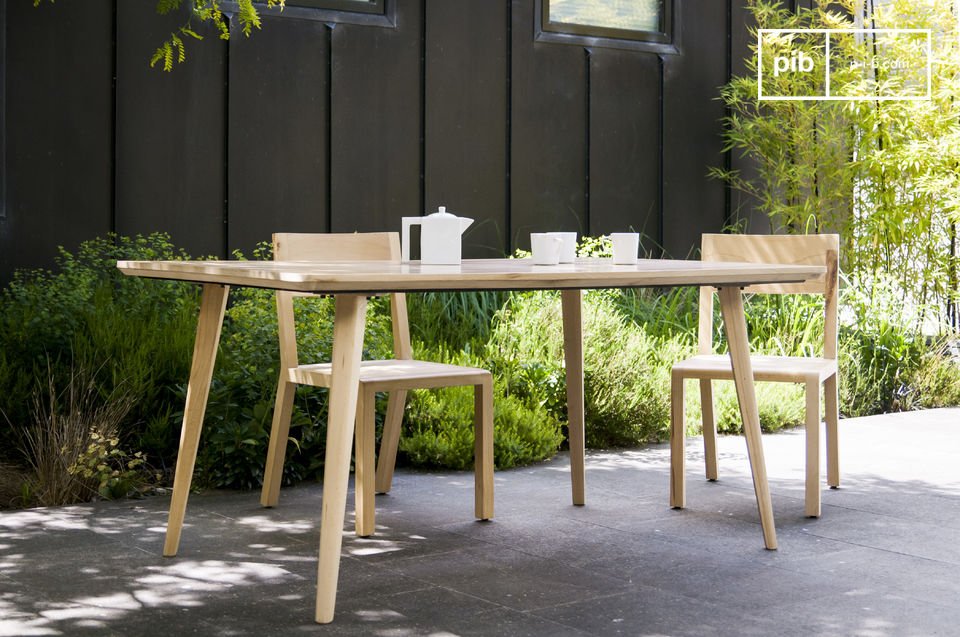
883,559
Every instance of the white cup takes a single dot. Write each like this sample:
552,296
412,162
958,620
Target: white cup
568,249
626,245
545,248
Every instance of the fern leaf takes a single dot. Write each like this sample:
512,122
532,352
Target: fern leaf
181,52
186,30
249,18
157,56
166,6
163,53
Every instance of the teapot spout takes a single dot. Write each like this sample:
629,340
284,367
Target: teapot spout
464,224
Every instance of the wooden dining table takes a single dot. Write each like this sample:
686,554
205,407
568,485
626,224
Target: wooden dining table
351,283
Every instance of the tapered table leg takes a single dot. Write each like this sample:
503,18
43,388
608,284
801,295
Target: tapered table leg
349,314
734,323
573,358
213,303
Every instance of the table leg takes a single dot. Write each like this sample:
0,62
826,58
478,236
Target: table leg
731,305
573,358
349,314
213,303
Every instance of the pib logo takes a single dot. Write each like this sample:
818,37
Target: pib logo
797,62
844,64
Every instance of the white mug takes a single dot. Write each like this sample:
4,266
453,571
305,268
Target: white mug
625,247
568,249
545,248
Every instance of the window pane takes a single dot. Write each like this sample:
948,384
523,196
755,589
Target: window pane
630,15
342,5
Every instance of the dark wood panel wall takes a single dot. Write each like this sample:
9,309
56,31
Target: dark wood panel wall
322,126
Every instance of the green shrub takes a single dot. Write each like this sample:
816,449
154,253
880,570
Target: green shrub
72,444
781,405
132,331
934,382
456,320
625,369
243,390
440,431
137,334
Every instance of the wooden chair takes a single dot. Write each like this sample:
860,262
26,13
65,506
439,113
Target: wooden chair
811,371
395,376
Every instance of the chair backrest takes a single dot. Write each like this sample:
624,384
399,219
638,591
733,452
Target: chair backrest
345,246
371,246
810,249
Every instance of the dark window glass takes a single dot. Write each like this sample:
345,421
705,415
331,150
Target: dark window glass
630,24
370,12
363,6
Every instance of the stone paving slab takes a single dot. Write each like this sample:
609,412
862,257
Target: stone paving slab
880,562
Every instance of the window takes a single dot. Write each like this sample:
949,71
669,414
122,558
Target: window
370,12
625,24
360,6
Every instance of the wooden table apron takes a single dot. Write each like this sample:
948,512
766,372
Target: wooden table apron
351,282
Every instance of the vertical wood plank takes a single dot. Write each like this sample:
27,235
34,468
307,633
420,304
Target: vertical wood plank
692,203
170,132
743,206
375,123
58,129
465,118
548,151
625,143
4,161
277,164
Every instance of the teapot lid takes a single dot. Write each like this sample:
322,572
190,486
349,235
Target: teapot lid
441,212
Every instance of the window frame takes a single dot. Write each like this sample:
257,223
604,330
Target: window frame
380,13
664,41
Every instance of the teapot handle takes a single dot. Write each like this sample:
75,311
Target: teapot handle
405,224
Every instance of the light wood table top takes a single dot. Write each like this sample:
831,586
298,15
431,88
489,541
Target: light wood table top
472,274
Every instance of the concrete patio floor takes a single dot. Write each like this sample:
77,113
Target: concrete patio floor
882,560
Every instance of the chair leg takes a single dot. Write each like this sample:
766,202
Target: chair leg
279,432
813,448
483,449
830,406
392,423
709,428
678,491
365,439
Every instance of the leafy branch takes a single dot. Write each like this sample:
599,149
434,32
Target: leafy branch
173,50
204,11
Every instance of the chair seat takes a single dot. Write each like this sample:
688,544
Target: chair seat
388,375
796,369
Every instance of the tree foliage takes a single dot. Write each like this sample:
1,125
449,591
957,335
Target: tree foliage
173,50
885,174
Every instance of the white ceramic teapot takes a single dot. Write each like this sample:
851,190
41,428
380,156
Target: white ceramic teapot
439,237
